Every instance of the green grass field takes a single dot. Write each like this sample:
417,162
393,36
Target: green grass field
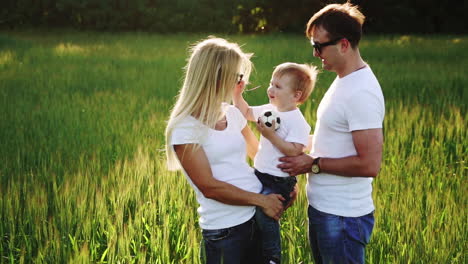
83,177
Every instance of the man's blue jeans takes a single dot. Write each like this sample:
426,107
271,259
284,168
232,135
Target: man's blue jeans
337,239
234,245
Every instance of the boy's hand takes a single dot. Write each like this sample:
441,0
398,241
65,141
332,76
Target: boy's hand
267,132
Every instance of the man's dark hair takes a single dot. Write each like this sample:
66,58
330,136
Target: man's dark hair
339,20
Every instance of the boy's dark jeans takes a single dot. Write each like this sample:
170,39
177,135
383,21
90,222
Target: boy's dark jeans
269,228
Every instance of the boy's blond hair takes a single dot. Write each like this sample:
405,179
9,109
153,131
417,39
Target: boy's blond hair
304,77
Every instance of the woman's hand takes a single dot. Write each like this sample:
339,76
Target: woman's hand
272,205
293,196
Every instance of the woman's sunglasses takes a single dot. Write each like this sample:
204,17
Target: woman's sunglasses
247,90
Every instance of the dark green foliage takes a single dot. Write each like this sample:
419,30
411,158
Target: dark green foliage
244,16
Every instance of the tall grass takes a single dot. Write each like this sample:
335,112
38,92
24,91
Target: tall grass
82,174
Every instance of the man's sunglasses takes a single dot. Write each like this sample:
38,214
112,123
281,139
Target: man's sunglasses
319,46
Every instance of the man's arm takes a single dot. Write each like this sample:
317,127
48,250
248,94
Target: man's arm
369,148
196,164
240,102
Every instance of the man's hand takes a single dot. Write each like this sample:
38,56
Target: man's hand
296,165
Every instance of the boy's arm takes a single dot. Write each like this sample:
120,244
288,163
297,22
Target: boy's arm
287,148
240,102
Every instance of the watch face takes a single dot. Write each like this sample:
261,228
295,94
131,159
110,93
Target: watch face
315,168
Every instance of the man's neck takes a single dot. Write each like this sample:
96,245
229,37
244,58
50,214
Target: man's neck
352,63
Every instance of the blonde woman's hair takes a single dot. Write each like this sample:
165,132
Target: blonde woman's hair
211,74
303,78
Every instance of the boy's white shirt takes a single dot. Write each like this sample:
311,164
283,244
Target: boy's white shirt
293,128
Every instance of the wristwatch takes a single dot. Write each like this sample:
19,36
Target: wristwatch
315,166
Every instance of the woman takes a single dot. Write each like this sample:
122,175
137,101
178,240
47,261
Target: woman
207,139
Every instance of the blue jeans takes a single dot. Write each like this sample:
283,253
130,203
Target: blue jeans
269,227
337,239
233,245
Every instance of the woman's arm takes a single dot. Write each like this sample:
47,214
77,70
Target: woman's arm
251,140
196,164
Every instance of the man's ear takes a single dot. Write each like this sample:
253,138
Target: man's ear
344,45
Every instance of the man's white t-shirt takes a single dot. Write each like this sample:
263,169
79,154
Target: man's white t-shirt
294,128
354,102
226,153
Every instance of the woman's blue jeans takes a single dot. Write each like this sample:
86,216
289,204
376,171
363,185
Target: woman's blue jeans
234,245
337,239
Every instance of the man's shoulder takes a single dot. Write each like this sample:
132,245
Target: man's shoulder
363,83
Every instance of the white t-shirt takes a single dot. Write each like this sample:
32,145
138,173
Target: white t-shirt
294,128
226,153
354,102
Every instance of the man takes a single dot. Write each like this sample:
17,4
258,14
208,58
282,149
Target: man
347,142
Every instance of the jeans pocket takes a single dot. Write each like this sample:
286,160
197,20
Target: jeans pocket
216,234
366,225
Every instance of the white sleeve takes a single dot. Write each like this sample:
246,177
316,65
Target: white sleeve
237,117
299,131
259,109
364,110
186,133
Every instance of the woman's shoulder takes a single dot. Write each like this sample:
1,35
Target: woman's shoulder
187,123
233,114
231,109
187,130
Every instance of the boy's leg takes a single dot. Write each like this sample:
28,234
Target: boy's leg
270,228
337,239
270,235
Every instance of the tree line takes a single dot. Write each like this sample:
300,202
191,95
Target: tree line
227,16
